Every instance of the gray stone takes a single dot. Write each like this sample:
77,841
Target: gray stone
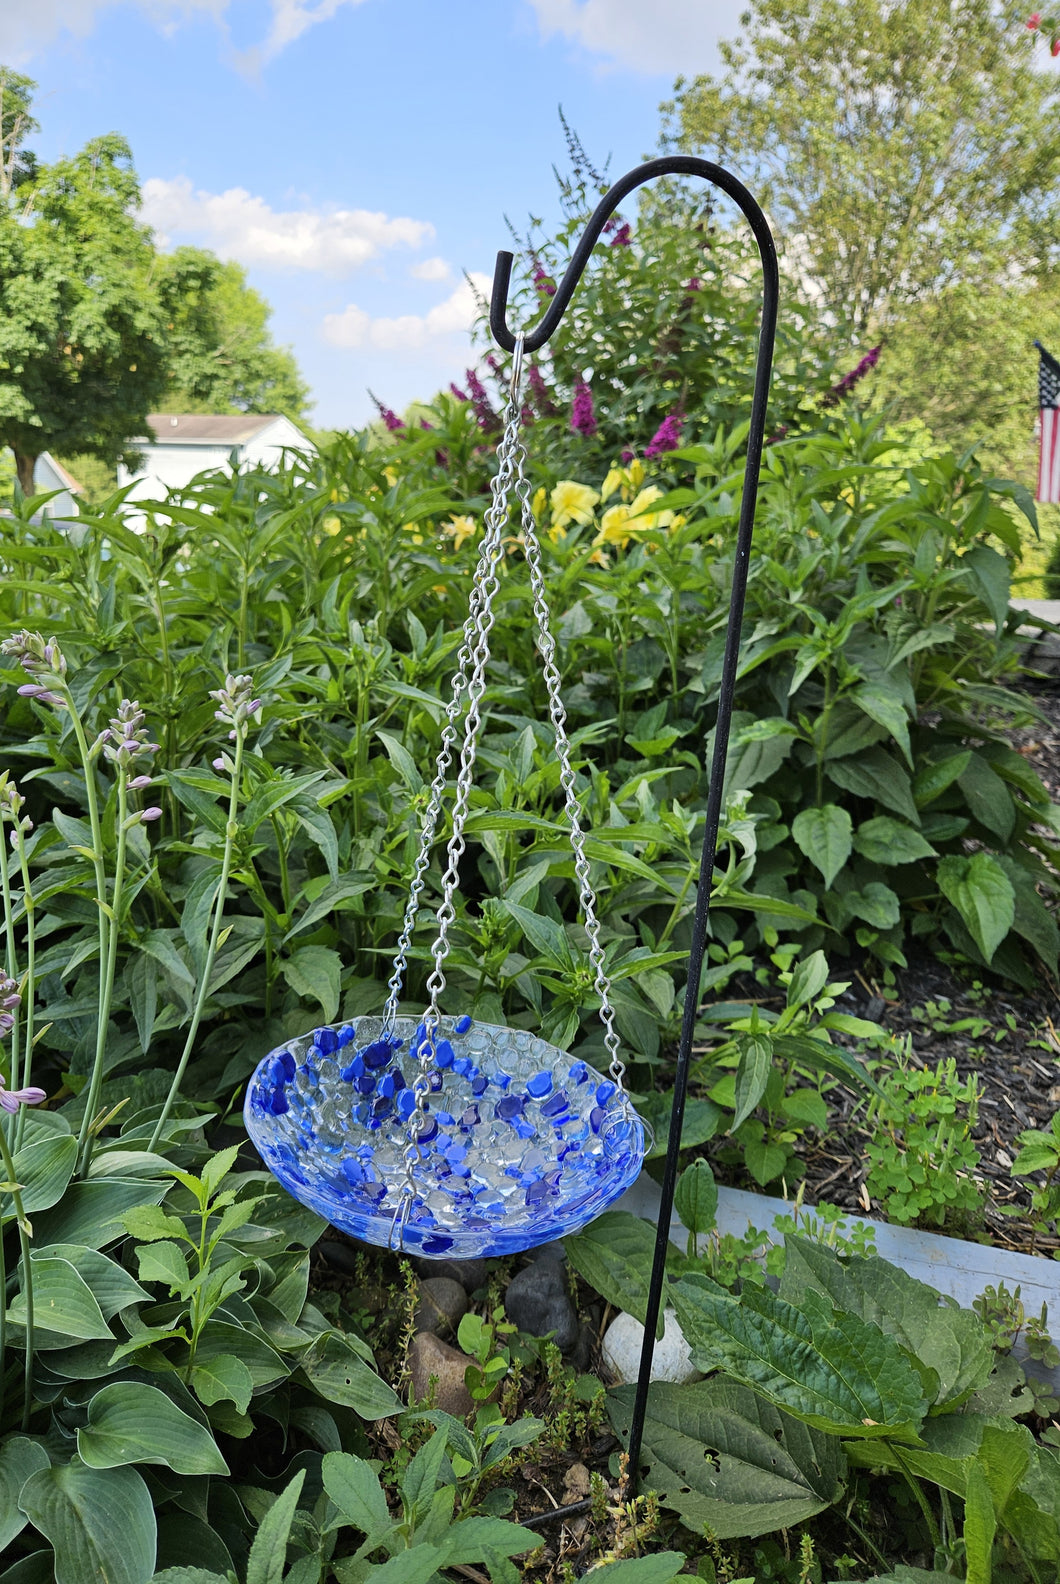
671,1360
429,1356
441,1307
537,1301
547,1251
471,1274
340,1256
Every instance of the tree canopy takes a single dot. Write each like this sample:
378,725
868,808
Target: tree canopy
900,146
97,328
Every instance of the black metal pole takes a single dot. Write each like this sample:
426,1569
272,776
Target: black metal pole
684,165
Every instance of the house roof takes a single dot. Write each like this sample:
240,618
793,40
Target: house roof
65,478
205,428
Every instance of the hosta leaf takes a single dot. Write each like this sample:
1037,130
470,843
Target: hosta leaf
842,1376
130,1422
614,1255
982,893
63,1306
101,1522
44,1169
19,1458
719,1455
824,835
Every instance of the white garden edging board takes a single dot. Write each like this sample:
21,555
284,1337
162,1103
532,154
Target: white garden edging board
952,1266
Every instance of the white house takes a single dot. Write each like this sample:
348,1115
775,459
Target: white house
180,445
51,475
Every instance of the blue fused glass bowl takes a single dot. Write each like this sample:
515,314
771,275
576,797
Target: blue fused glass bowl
523,1143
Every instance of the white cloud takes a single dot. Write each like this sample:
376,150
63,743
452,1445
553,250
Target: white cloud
431,269
668,36
238,225
25,27
354,328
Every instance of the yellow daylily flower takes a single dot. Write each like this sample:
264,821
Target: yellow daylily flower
537,505
614,527
645,518
390,474
332,525
460,530
616,477
572,502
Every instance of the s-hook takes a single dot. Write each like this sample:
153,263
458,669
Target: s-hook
675,165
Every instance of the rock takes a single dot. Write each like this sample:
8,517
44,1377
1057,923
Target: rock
550,1251
441,1307
538,1303
471,1274
576,1483
429,1356
340,1256
672,1361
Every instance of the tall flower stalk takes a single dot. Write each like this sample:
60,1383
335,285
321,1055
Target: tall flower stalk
236,709
11,1102
11,804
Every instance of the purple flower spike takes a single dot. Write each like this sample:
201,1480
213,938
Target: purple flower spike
11,1099
457,392
832,397
667,437
622,237
389,417
582,416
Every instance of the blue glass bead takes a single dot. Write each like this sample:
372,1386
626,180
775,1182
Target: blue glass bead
436,1082
470,1118
375,1191
605,1091
365,1085
596,1117
500,1078
539,1085
377,1054
508,1108
275,1071
346,1033
480,1084
443,1054
390,1083
462,1024
278,1103
326,1040
353,1171
579,1073
524,1129
464,1067
428,1131
444,1118
437,1244
556,1104
406,1104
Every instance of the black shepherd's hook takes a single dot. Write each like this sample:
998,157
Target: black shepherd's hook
675,165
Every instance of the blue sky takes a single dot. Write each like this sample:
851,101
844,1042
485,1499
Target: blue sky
358,155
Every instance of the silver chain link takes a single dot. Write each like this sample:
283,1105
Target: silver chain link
469,686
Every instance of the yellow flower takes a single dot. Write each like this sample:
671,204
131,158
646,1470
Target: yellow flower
598,558
390,474
645,518
459,530
537,505
636,473
616,477
572,502
332,525
413,529
614,527
335,493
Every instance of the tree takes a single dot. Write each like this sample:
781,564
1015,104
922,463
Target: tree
221,355
17,164
899,146
82,348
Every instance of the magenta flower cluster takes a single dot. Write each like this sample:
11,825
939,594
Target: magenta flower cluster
543,280
485,416
832,397
539,390
388,415
582,415
623,236
667,437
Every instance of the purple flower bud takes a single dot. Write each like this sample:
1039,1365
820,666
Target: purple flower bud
130,744
150,814
7,1023
11,1099
253,706
219,763
33,690
10,1001
138,783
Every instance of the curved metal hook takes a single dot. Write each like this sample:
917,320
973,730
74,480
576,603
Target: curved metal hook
668,165
683,165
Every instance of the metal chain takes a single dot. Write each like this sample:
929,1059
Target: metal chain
547,646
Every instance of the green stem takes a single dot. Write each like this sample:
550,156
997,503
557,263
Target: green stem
27,1277
921,1499
27,1007
86,1144
92,799
231,831
10,964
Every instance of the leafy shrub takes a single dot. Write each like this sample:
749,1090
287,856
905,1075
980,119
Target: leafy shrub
922,1158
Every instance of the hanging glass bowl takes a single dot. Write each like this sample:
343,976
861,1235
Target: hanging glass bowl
523,1143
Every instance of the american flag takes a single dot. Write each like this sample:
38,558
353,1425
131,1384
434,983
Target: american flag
1048,490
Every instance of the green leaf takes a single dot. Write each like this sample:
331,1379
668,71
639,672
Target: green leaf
421,1478
702,1120
721,1457
101,1522
988,797
886,708
546,935
1033,920
355,1489
752,1074
129,1422
953,1342
277,791
824,836
268,1554
887,841
696,1197
189,1575
110,1283
614,1254
876,903
19,1458
982,893
808,979
44,1169
225,1336
988,574
843,1376
223,1378
90,1213
339,1374
980,1526
151,1223
315,973
63,1305
662,1567
877,776
934,777
163,1262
